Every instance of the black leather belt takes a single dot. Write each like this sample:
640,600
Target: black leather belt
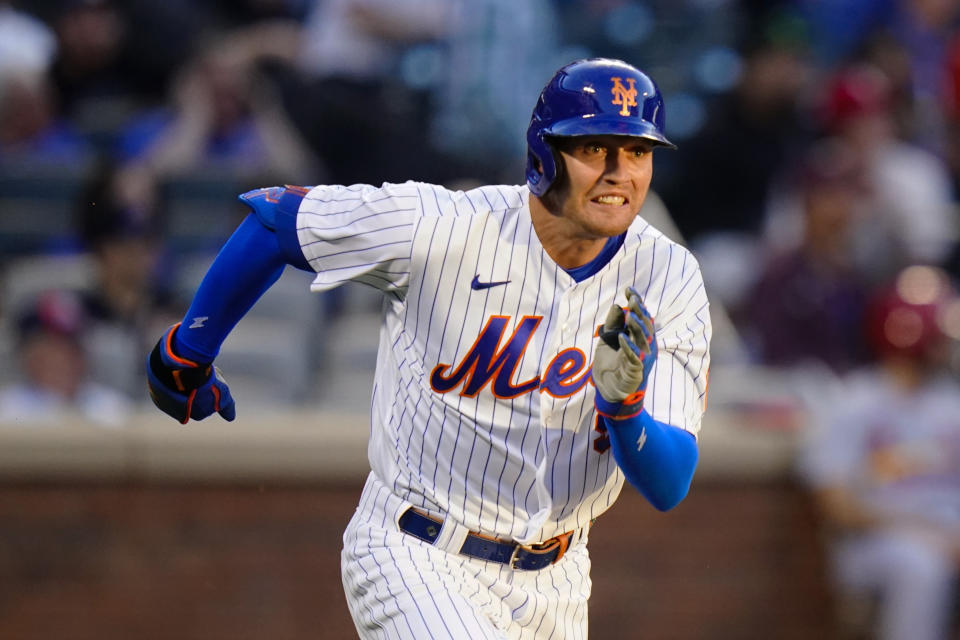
516,555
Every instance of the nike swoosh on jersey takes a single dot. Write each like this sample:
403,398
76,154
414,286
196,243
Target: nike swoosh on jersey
477,285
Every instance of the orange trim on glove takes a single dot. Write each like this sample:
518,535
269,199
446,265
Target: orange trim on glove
168,346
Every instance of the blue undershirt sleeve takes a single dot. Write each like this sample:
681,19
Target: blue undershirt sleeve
247,265
657,459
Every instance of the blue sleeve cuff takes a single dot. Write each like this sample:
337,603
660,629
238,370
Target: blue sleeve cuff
287,238
276,208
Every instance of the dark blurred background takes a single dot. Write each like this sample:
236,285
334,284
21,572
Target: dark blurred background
816,181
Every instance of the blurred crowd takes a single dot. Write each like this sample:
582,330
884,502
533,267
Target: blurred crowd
817,181
819,142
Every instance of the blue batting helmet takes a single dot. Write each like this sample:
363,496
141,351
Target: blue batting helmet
598,96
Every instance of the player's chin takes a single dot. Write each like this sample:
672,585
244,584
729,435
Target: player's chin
612,223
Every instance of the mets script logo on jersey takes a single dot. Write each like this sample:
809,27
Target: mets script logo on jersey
489,359
624,96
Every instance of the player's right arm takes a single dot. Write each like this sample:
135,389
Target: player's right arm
180,374
358,233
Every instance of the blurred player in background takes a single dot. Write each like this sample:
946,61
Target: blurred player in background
885,468
540,344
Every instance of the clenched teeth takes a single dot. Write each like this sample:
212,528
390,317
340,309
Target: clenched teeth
615,200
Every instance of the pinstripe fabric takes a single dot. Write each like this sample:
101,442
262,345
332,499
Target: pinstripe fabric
523,464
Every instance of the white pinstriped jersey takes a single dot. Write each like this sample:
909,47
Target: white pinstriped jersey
482,410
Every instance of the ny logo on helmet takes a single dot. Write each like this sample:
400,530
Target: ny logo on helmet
623,96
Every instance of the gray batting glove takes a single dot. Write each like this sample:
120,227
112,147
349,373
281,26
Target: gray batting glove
624,356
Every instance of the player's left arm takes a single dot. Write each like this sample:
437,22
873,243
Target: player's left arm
657,458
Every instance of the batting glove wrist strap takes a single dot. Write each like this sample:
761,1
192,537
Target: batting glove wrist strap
631,406
185,389
625,353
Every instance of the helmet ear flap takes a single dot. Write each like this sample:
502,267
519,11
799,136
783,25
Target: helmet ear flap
558,164
547,166
541,162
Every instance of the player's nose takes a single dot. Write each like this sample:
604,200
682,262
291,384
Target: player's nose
617,167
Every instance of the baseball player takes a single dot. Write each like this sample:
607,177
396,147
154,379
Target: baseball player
884,462
540,343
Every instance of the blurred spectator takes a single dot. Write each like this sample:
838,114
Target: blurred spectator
842,26
909,187
885,464
808,301
884,53
116,58
26,43
53,363
751,136
351,97
499,53
912,35
90,71
224,118
31,129
924,29
129,298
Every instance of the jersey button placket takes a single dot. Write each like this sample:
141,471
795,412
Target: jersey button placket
552,349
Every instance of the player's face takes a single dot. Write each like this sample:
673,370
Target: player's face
605,181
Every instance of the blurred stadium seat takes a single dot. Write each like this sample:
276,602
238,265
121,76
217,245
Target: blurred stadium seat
37,206
200,212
